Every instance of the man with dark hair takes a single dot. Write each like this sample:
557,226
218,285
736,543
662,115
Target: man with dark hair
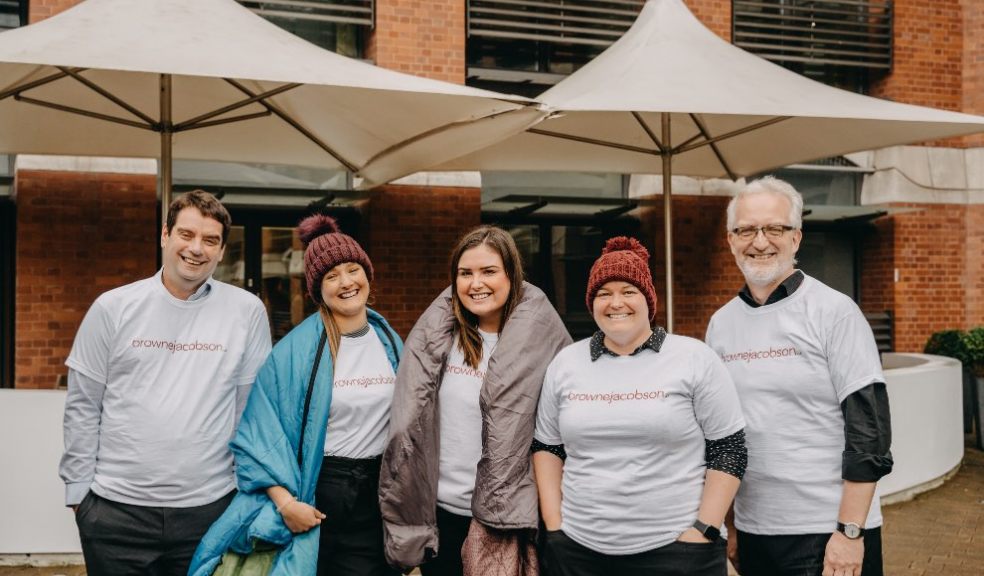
809,377
158,374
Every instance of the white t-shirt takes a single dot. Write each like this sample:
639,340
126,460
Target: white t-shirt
360,399
171,368
793,363
634,429
461,427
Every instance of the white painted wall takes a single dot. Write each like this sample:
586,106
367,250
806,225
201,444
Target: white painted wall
33,516
927,419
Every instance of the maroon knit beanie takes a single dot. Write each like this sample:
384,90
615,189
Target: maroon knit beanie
327,247
623,259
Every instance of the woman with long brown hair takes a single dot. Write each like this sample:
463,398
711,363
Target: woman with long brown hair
457,493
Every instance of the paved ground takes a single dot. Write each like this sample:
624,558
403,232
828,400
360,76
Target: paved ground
940,532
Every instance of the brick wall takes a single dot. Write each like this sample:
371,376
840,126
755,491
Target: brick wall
705,276
421,37
715,14
928,55
412,231
973,62
974,266
78,235
930,251
40,9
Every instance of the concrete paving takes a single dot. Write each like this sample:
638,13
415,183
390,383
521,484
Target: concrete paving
938,533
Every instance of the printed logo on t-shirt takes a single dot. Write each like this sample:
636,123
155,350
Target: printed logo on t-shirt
176,346
612,397
770,353
466,371
365,381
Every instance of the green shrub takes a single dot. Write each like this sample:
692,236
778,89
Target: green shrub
974,344
953,344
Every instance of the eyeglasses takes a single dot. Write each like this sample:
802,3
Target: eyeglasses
770,231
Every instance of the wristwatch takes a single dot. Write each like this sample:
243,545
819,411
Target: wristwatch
851,530
709,532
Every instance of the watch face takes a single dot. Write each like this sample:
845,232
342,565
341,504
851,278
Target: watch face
852,531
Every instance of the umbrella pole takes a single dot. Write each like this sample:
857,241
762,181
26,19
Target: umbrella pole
166,134
667,156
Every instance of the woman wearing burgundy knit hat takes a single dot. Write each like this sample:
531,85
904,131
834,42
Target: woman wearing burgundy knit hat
310,441
642,434
457,492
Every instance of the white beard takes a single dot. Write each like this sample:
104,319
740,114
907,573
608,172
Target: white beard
759,275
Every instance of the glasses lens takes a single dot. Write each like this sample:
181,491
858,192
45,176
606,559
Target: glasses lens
774,230
746,232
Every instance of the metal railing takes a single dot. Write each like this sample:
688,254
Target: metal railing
358,12
848,33
589,22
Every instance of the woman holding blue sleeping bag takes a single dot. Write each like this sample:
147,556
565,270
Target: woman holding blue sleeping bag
639,444
309,442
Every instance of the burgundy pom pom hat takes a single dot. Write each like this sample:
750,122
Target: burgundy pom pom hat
327,247
623,259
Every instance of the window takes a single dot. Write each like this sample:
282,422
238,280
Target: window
536,44
13,14
337,25
838,42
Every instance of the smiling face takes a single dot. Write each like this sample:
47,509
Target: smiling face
345,290
620,311
483,286
190,252
764,261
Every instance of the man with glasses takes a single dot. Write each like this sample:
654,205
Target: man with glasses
809,377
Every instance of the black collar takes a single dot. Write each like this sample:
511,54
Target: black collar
654,343
784,290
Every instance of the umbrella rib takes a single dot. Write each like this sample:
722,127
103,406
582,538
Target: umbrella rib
76,74
32,84
82,112
586,140
189,124
219,122
296,125
652,135
732,134
714,146
431,132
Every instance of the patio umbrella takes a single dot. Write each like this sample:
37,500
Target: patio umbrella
671,97
210,80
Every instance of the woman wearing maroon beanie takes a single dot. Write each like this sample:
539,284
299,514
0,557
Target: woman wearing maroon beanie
309,445
639,443
456,491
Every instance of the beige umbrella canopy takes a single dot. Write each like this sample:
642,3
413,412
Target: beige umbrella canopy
670,96
210,80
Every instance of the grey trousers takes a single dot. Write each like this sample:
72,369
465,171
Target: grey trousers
124,539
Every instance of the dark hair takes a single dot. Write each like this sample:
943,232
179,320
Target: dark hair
501,242
208,205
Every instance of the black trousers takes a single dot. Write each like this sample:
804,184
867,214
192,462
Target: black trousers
565,557
352,532
452,530
799,555
123,539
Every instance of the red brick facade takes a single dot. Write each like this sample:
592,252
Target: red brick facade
78,235
412,231
81,234
422,37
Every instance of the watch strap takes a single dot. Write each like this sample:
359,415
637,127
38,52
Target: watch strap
709,532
